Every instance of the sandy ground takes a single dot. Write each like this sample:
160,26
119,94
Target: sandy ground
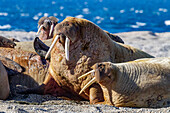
156,44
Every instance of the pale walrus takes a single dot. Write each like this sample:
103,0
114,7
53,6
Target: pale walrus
139,83
4,84
79,44
46,27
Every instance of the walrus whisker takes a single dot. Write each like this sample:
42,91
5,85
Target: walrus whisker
39,30
88,84
51,47
86,74
67,44
51,29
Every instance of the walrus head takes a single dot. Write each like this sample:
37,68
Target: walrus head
46,27
103,73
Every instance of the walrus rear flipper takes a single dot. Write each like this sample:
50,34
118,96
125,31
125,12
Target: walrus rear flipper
37,90
40,48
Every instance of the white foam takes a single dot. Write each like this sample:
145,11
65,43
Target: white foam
140,23
55,14
61,7
97,17
35,17
61,14
138,11
112,18
167,22
40,14
46,14
105,9
24,14
163,10
99,21
132,9
134,26
122,11
79,16
3,14
86,11
5,26
53,2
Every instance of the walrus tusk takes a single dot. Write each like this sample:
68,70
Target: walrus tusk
88,84
67,44
39,30
51,47
51,29
84,75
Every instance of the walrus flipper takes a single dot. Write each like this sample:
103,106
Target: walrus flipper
40,48
11,66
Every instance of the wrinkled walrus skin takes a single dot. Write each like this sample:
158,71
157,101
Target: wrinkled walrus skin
88,45
4,84
139,83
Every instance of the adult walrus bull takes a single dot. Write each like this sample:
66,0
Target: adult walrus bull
77,45
139,83
4,84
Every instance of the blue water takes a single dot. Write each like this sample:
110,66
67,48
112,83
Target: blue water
111,15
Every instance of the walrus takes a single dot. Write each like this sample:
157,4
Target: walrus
24,64
77,45
5,42
46,27
4,84
140,83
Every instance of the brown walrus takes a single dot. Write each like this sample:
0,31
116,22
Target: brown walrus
4,84
139,83
77,45
25,64
5,42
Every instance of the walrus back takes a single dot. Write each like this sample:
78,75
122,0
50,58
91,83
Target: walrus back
143,83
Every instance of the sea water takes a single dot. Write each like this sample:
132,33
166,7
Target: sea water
111,15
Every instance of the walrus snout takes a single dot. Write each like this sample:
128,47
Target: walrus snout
102,71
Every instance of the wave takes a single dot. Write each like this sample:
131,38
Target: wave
3,14
79,16
167,22
7,26
138,24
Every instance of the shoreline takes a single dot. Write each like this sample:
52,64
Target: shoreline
156,44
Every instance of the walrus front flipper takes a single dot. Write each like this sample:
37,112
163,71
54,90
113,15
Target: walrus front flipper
40,48
11,67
